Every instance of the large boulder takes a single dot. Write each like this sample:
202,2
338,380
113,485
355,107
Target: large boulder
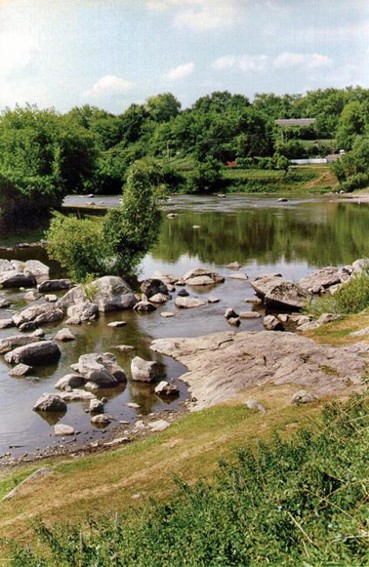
15,341
113,294
280,293
16,279
50,403
144,370
6,266
102,369
320,280
54,285
37,269
202,276
152,287
109,293
34,354
39,314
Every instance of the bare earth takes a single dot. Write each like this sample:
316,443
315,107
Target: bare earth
224,366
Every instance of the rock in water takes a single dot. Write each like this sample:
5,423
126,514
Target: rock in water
144,370
279,293
34,354
50,403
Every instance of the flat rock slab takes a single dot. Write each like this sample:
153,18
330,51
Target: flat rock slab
236,362
322,279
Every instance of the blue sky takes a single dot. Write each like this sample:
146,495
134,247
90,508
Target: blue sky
110,53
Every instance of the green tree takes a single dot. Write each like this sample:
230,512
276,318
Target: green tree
162,107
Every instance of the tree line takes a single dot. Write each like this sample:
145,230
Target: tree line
45,155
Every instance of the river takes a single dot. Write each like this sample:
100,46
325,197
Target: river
262,234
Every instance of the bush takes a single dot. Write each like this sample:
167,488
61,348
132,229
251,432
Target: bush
115,244
352,297
77,244
358,181
206,177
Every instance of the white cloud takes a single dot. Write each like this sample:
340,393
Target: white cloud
201,14
180,72
289,59
242,62
110,85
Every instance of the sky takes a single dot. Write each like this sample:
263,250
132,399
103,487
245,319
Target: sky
112,53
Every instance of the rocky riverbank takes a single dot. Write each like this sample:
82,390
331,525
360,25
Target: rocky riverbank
221,366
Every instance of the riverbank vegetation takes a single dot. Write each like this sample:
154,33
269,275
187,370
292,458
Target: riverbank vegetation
288,500
45,155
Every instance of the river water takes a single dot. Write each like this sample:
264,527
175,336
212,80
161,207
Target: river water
262,234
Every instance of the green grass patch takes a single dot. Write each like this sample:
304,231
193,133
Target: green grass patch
300,501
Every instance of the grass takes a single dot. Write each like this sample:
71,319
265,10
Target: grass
312,178
110,482
295,501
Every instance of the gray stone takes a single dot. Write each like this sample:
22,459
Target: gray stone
233,266
168,279
77,396
271,323
61,430
96,406
188,302
32,295
113,294
303,397
166,389
54,285
249,315
153,286
230,313
235,321
70,381
144,307
34,354
9,343
159,425
144,370
100,419
28,326
279,293
16,279
65,335
102,369
6,323
212,299
159,298
183,293
37,269
50,403
321,279
202,276
83,312
39,314
20,370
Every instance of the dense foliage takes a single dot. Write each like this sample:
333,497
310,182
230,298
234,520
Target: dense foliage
45,155
297,502
116,243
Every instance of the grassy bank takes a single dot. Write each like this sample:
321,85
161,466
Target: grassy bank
125,479
288,501
310,178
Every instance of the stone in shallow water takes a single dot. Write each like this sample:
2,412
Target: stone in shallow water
167,314
20,370
117,324
50,403
188,302
65,335
62,429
